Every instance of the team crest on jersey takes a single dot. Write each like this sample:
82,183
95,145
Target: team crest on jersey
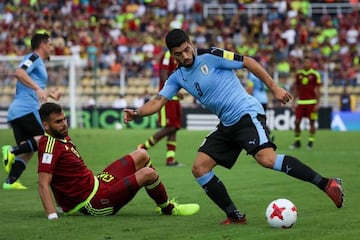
204,69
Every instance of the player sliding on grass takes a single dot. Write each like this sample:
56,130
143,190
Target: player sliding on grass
208,76
62,172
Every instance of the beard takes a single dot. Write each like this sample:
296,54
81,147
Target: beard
189,65
57,134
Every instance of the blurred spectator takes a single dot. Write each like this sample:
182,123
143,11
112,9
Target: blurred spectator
347,101
120,102
94,32
141,99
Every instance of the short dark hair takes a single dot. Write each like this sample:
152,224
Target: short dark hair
47,109
175,38
37,39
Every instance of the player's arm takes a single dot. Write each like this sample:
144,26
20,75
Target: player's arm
46,195
152,106
235,61
295,94
24,78
317,95
279,93
317,90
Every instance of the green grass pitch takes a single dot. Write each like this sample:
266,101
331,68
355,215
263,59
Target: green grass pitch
251,187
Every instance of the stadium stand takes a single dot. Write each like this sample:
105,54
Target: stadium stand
107,36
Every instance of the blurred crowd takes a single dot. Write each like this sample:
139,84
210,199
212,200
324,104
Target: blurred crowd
129,34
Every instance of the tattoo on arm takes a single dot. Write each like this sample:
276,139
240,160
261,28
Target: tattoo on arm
158,97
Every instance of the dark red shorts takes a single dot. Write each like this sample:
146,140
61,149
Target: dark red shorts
117,186
170,115
306,111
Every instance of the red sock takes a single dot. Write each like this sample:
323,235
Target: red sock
171,149
157,192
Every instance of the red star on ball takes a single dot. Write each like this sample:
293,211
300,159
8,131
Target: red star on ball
277,212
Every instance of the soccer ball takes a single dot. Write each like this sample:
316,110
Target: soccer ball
281,213
118,126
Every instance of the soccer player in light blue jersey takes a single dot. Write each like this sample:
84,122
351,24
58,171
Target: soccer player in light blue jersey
23,113
257,88
209,76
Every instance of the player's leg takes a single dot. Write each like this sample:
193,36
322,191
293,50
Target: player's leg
171,148
295,168
313,116
215,189
154,139
297,130
173,123
264,152
27,132
219,145
135,171
266,156
148,177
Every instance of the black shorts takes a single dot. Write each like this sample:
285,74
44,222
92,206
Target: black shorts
224,144
26,127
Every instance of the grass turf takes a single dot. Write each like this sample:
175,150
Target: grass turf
251,187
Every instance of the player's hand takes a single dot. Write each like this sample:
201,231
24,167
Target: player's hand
282,95
130,114
317,107
54,94
42,96
180,95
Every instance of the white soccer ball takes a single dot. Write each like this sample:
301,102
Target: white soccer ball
118,126
281,213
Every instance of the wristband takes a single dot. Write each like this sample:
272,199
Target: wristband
52,216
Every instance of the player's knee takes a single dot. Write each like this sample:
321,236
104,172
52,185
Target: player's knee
142,154
202,165
148,175
199,169
266,157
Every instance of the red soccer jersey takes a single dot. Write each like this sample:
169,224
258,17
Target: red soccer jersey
72,182
168,63
306,83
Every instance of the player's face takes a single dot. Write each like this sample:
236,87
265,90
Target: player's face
48,47
184,54
57,125
307,63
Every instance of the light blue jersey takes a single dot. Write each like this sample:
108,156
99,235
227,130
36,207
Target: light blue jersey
259,89
213,82
26,100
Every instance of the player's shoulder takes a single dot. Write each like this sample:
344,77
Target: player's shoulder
31,56
212,50
219,53
49,143
29,60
